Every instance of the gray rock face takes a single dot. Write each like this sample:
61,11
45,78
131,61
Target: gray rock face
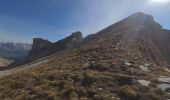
144,82
15,51
164,83
164,79
42,48
144,68
39,44
70,41
164,87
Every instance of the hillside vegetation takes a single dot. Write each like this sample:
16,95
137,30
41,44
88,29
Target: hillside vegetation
121,62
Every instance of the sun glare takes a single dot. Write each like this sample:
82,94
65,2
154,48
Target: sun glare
160,1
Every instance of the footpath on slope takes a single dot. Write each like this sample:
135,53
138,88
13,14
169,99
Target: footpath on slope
22,67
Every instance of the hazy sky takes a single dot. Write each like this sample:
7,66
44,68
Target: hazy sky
22,20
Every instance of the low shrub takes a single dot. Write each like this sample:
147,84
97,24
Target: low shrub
127,93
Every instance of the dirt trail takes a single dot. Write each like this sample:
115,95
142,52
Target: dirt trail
23,67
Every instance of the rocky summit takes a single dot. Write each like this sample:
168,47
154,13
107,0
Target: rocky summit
125,61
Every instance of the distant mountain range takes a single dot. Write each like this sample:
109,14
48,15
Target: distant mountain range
15,51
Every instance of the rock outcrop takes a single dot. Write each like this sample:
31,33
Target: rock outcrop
39,48
42,48
39,44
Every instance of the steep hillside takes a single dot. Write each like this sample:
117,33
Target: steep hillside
121,62
15,51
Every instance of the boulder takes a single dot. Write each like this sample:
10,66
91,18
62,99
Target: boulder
144,82
164,79
144,68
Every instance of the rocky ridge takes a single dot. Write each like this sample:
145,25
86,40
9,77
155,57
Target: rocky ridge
42,48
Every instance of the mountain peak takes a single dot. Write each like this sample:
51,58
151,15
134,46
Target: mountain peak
140,14
39,40
140,18
39,43
78,33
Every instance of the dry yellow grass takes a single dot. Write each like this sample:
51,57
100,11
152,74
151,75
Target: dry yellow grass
5,62
70,75
96,70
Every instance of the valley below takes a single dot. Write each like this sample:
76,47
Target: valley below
21,67
5,62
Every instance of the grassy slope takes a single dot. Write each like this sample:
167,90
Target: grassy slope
5,62
68,76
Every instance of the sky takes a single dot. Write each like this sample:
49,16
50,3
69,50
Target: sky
22,20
